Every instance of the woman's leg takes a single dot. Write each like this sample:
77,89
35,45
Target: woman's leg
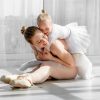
53,69
47,69
7,78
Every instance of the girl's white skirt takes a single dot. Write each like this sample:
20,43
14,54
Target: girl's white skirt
79,39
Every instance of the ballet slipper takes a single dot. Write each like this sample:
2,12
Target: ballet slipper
21,83
7,78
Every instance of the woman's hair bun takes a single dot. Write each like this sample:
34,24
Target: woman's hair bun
23,29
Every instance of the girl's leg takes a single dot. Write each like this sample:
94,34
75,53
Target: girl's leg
84,66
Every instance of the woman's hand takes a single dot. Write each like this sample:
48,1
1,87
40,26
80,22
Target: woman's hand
42,55
39,55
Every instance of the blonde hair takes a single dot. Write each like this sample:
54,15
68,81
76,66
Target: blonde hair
43,16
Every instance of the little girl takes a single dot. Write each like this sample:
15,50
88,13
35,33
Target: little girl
76,37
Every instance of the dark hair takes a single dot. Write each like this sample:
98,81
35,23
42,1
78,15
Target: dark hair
29,32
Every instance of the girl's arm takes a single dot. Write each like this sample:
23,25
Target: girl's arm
57,48
55,59
49,56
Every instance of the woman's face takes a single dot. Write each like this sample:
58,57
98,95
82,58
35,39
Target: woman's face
40,40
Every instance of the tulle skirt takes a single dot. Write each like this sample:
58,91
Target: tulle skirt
79,39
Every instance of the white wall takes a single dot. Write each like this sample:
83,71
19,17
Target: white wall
13,15
85,12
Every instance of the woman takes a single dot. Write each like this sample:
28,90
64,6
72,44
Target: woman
59,65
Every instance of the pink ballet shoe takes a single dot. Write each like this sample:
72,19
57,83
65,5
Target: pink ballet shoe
7,78
21,83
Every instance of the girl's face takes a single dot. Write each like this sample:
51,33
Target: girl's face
45,27
40,40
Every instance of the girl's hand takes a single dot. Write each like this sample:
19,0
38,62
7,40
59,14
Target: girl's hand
44,55
47,55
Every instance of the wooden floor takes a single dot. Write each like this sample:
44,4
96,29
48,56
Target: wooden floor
77,89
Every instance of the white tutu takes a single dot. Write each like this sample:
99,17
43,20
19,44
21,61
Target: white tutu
79,39
84,66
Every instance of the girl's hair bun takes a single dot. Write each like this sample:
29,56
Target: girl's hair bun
43,11
23,29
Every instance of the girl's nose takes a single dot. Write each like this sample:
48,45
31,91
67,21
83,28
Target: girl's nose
46,33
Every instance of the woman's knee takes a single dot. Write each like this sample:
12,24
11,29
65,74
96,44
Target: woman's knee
46,66
74,72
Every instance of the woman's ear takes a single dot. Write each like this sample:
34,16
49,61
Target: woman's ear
32,46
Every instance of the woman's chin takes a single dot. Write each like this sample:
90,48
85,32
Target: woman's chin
48,47
38,49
